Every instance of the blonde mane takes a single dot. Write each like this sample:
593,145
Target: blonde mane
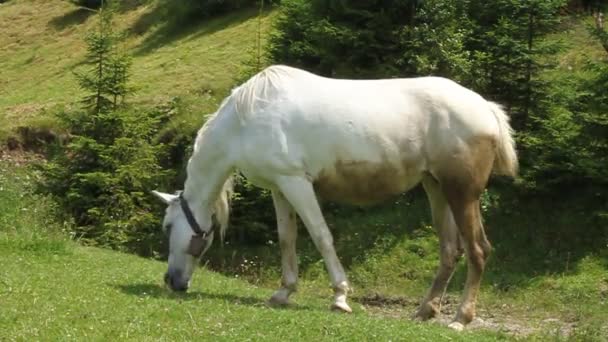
222,206
260,90
222,203
251,97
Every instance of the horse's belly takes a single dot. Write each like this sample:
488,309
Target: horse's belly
364,183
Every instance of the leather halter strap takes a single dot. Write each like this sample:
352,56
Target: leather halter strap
190,217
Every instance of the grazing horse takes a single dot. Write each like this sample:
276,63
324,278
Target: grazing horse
356,141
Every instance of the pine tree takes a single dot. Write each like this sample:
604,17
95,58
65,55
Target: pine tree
377,38
508,44
101,177
106,80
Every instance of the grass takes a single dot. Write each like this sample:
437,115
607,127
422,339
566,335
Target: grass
198,62
88,293
538,283
54,289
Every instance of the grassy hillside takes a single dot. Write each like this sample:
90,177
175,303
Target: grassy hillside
42,43
539,283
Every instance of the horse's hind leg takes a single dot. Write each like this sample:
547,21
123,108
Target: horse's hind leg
462,180
300,193
449,244
477,250
288,233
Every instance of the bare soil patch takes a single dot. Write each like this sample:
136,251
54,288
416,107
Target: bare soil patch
19,157
495,319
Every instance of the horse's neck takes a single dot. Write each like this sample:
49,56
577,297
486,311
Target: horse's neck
204,182
209,167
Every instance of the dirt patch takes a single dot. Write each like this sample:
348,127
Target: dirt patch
377,300
19,157
496,320
33,139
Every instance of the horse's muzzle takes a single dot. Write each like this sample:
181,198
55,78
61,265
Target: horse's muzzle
175,282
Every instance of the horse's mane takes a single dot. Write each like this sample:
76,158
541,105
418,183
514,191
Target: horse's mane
222,206
255,94
222,203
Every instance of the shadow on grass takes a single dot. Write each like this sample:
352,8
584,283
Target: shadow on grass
76,17
157,291
532,237
172,28
357,232
79,15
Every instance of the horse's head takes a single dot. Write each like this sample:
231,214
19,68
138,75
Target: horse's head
189,238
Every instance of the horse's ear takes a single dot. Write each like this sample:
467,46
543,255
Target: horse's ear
166,198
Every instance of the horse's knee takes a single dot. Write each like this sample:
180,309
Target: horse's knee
481,252
449,258
477,257
323,240
286,243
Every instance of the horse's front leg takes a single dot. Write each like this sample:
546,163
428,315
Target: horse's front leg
288,232
300,193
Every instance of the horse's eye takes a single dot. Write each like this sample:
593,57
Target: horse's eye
168,228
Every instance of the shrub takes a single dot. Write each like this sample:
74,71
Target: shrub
371,38
253,218
102,177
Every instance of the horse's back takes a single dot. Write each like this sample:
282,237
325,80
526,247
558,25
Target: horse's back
359,140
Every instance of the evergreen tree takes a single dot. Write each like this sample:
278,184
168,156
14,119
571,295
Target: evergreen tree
509,51
593,117
101,178
376,38
106,80
597,30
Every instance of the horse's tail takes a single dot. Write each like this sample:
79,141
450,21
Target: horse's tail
506,157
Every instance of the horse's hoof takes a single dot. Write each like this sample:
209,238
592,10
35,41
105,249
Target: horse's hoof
341,307
425,313
456,326
277,301
280,297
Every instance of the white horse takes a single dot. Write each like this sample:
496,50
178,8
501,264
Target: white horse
358,141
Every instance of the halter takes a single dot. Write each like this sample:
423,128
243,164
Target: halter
197,241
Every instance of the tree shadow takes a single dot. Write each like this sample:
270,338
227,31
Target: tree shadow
80,15
157,291
76,17
173,29
129,5
534,237
531,238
